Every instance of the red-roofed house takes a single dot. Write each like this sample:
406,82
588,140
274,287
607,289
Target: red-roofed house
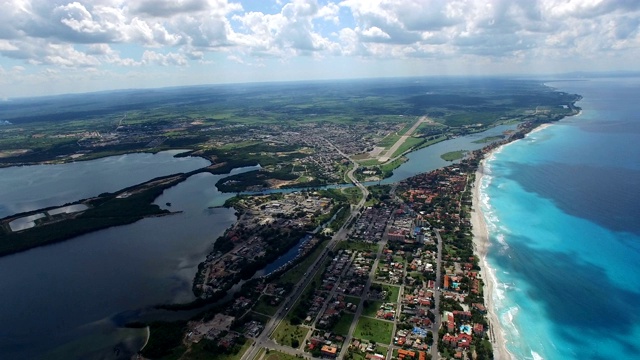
478,329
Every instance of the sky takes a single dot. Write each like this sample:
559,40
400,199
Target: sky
60,46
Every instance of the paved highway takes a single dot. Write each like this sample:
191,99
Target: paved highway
263,339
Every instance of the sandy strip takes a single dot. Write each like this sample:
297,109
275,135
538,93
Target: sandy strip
540,127
481,246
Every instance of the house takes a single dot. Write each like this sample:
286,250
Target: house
406,354
327,350
451,324
478,329
479,307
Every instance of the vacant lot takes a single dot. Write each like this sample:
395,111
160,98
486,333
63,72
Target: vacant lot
277,355
374,330
290,335
342,326
371,308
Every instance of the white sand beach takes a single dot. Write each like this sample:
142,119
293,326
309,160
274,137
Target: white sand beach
481,246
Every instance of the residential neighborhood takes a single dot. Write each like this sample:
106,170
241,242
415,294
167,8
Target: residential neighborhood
402,283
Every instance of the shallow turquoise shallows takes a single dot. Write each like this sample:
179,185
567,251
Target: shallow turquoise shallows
563,208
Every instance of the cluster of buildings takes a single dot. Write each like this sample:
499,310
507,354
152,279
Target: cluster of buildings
323,160
325,343
389,269
408,261
442,197
345,275
261,215
371,224
407,227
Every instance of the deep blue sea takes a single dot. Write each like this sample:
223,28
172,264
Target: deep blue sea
563,212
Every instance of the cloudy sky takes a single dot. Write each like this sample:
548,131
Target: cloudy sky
61,46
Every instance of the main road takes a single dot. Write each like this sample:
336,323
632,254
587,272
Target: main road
436,298
263,339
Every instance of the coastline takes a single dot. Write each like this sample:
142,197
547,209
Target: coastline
481,246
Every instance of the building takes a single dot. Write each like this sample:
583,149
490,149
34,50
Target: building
328,350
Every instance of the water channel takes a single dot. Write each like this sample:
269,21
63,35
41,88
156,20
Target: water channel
61,301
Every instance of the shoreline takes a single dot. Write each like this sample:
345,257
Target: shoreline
481,246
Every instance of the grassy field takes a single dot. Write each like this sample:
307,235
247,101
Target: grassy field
362,156
287,334
408,144
353,193
342,326
374,330
432,142
277,355
263,306
453,155
382,350
389,140
387,168
406,128
371,162
372,308
392,292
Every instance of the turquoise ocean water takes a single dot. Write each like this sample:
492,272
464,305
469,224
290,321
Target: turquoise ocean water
563,211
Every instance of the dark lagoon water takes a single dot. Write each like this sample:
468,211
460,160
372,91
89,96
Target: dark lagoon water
25,188
65,297
67,300
563,210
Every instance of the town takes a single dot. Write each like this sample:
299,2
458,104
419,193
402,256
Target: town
400,281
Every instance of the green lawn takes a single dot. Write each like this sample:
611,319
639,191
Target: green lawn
342,326
392,292
286,334
374,330
277,355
